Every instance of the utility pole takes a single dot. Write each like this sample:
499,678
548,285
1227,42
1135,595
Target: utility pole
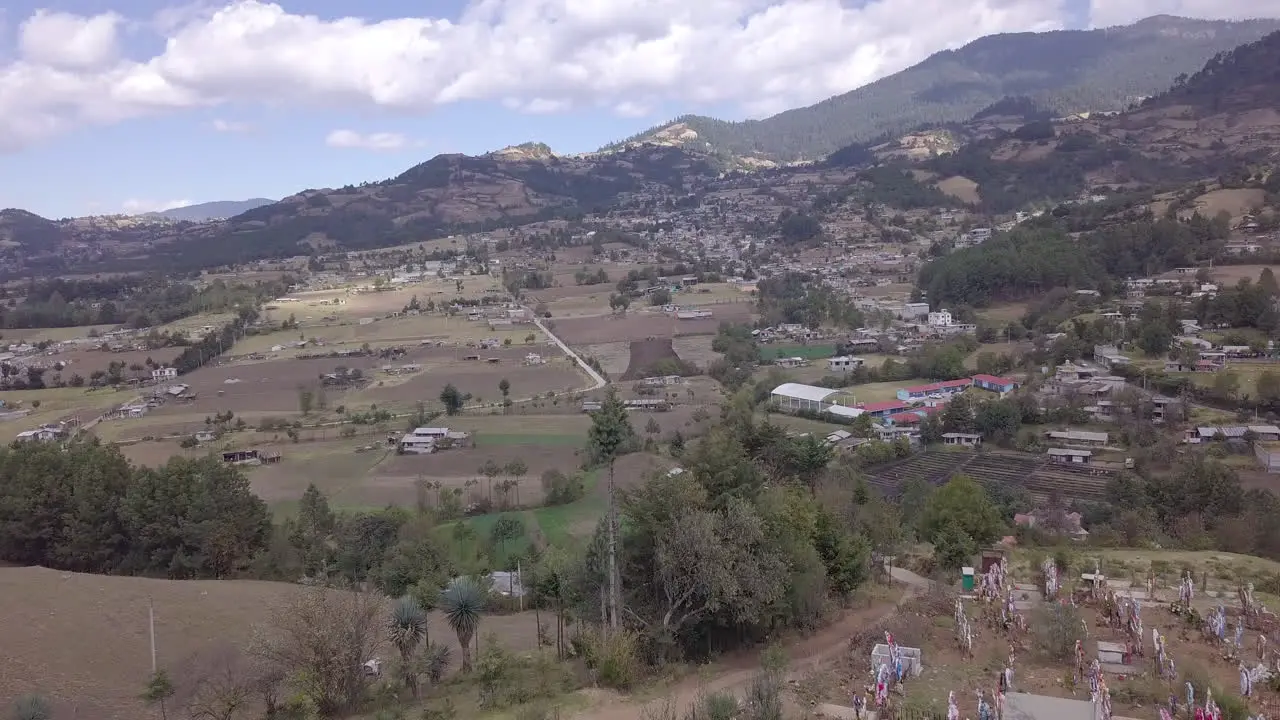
151,621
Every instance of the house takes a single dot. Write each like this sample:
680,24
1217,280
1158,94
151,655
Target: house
845,363
1069,455
941,318
1110,356
412,444
1078,437
890,433
884,409
164,373
44,433
962,439
590,406
995,384
791,362
912,311
945,388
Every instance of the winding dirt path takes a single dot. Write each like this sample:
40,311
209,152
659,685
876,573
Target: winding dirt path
736,673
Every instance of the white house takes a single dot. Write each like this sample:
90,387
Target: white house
164,373
941,318
845,363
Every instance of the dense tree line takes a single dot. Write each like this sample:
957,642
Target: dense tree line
136,301
83,507
1030,260
798,298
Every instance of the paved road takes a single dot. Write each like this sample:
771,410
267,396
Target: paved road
596,377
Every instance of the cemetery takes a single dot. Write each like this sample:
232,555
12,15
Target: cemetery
1035,640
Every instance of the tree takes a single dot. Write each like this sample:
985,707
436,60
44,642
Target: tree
321,638
451,399
1226,383
504,387
952,546
306,399
32,707
218,683
312,530
506,528
463,602
490,470
958,415
407,630
158,691
1155,339
517,469
964,503
1268,386
609,435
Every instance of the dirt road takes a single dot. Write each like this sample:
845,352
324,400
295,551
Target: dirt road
736,675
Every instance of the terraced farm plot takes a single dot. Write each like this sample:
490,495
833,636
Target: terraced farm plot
1034,473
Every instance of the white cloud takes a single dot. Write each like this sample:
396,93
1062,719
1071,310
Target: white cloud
1105,13
230,126
64,40
535,56
135,206
380,141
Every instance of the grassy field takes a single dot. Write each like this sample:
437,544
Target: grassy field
35,335
1248,374
879,392
48,614
1005,312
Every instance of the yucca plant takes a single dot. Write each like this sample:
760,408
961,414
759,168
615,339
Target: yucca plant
463,602
407,629
435,661
32,707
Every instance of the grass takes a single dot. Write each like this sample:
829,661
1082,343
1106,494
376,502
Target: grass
808,352
1248,373
882,391
560,525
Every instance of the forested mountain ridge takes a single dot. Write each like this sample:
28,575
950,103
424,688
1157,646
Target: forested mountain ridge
1065,72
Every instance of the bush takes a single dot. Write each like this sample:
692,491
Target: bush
1057,628
614,658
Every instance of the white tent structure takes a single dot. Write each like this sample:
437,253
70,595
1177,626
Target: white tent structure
795,397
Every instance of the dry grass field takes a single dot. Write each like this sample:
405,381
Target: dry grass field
83,641
1232,274
35,335
960,188
1235,202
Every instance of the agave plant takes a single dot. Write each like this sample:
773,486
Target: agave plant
407,629
32,707
463,602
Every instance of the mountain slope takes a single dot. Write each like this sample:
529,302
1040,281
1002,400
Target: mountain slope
1065,72
216,210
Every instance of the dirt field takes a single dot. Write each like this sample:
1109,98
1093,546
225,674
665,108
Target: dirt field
960,188
633,326
645,354
82,639
480,379
1237,202
35,335
85,362
1232,274
394,331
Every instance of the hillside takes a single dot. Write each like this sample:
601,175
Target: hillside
216,210
1064,72
445,194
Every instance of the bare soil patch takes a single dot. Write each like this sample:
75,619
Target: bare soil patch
645,354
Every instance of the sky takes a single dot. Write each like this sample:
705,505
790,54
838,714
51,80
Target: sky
108,106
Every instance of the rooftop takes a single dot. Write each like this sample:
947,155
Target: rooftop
800,391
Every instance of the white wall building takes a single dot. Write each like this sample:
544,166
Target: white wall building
941,318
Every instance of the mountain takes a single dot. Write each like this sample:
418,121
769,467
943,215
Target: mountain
216,210
1064,72
448,193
